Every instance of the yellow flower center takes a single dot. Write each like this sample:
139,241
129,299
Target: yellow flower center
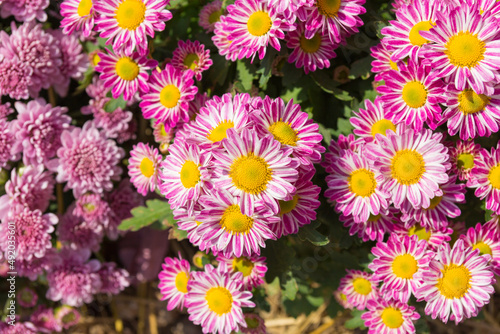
284,133
130,14
407,166
435,202
455,281
465,161
220,131
494,177
393,65
127,69
415,37
404,266
214,17
420,232
243,265
163,132
382,126
362,286
374,218
190,174
89,207
236,222
96,59
328,8
414,94
288,206
465,49
170,96
181,282
483,248
191,61
362,182
250,173
147,167
310,45
84,8
469,102
220,300
259,23
392,317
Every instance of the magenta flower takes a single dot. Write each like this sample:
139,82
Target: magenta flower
78,233
192,56
16,79
114,280
7,141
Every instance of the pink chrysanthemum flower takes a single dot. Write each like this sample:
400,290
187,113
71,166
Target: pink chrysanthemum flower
16,79
174,279
253,26
27,297
291,127
390,317
412,95
336,149
355,187
78,233
44,320
38,130
18,327
337,19
221,39
358,288
32,232
121,201
215,301
463,155
78,15
188,221
7,141
74,280
342,300
185,174
440,209
485,176
457,284
25,11
114,280
382,63
367,123
471,114
87,161
464,48
210,14
125,74
36,266
487,240
93,209
232,229
143,167
118,124
255,324
169,94
67,316
434,238
127,23
374,228
5,110
162,133
403,35
192,56
312,53
399,264
414,165
253,269
255,169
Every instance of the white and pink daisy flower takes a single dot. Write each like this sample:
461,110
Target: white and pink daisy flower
78,15
487,240
188,221
433,237
143,167
253,269
221,39
358,287
390,317
375,227
192,56
485,176
210,15
174,278
463,155
367,123
382,63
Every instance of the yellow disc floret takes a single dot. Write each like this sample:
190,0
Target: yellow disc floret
362,182
404,266
127,69
329,8
220,131
469,102
259,23
84,8
415,37
392,317
181,282
130,14
190,174
310,45
362,286
147,167
219,300
288,206
494,177
455,281
170,96
236,222
243,265
414,94
465,50
191,61
284,133
250,173
382,126
483,247
407,166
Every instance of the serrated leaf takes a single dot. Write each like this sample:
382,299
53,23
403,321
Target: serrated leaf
310,233
290,288
155,210
245,74
114,104
355,321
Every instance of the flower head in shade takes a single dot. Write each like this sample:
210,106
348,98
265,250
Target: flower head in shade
464,48
127,23
255,324
121,201
382,63
485,176
118,124
412,95
32,231
232,229
78,233
187,220
253,26
74,280
372,120
337,147
43,318
174,279
18,327
36,266
67,316
255,169
78,15
221,39
375,227
16,78
311,54
484,238
342,300
216,299
399,264
27,297
413,164
25,11
457,284
125,74
434,238
169,94
38,130
470,114
358,287
93,209
7,141
253,269
143,167
389,317
113,279
463,154
87,161
291,127
192,56
210,14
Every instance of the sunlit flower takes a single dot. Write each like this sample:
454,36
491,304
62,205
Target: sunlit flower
382,63
358,288
367,123
485,176
487,240
143,167
78,15
390,317
174,278
253,269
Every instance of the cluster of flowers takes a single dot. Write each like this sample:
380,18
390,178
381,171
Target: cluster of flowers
312,29
399,178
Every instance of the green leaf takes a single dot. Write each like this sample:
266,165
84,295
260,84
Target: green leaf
245,74
310,233
361,68
355,321
290,288
114,104
155,210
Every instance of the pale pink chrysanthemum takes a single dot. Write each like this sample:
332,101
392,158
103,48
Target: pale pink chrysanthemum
35,267
67,316
210,14
5,110
121,201
358,287
253,269
7,141
192,56
25,10
16,79
18,327
390,317
93,209
44,320
27,297
77,233
143,167
78,15
113,279
118,124
174,279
